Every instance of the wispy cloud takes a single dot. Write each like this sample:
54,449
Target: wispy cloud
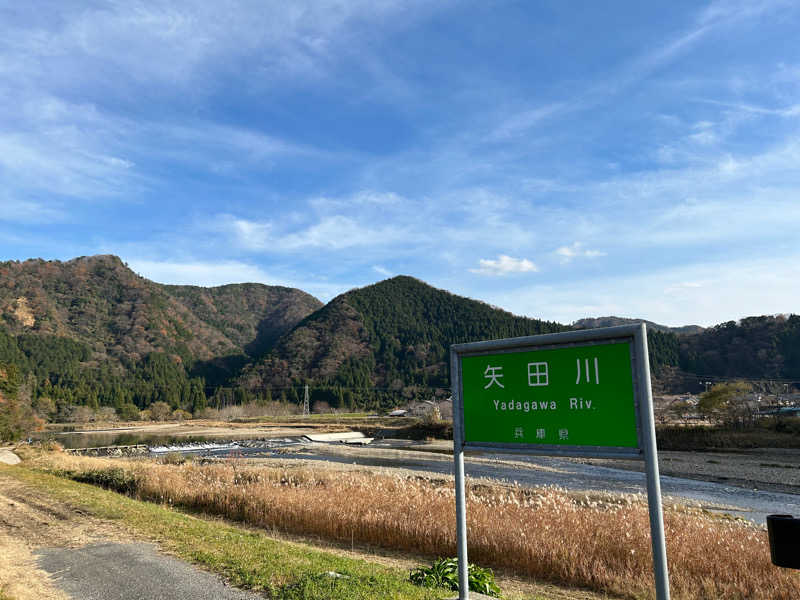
382,271
206,274
519,123
29,212
704,293
504,265
215,273
717,15
175,42
576,250
328,232
787,111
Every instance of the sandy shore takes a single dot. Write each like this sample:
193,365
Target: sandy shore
773,469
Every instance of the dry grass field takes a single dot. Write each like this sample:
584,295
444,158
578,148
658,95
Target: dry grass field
600,542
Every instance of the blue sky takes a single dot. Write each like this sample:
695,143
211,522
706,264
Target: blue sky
556,159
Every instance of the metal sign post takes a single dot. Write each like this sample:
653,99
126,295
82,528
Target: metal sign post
579,393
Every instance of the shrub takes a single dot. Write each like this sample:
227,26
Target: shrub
128,412
180,415
17,418
444,573
173,458
160,411
116,479
106,414
44,407
80,414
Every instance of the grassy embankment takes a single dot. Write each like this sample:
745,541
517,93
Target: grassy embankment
600,542
247,559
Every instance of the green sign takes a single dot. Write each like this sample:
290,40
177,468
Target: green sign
569,396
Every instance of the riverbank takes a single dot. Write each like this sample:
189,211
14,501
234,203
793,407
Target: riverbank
772,469
414,513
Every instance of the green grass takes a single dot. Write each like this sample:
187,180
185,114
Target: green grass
284,571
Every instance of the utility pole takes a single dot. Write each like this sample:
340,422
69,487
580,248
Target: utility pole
306,410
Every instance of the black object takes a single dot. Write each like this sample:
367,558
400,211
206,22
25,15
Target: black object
784,540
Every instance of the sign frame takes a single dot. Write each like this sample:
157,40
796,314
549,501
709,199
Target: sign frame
636,336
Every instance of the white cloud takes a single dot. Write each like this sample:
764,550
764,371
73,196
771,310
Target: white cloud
576,250
731,11
251,235
339,232
504,265
206,274
62,161
704,138
724,197
703,293
787,111
384,272
176,43
29,212
521,122
334,233
216,273
364,199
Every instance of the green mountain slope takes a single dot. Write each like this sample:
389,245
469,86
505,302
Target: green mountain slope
99,301
384,342
251,315
766,347
91,331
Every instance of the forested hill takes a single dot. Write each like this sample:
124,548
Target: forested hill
251,315
384,343
766,347
98,300
594,322
91,331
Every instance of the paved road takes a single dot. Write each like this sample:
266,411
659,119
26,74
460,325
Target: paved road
131,571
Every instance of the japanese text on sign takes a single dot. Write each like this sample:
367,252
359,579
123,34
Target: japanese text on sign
563,396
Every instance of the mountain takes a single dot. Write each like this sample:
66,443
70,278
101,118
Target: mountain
99,301
91,331
251,315
765,347
593,323
386,341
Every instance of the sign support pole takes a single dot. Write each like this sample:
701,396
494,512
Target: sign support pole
458,458
544,359
651,468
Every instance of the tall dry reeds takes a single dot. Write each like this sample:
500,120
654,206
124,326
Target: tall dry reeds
600,542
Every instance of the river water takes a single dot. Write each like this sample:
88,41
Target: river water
751,504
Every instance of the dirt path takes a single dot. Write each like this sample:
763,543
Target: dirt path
51,551
30,520
41,539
